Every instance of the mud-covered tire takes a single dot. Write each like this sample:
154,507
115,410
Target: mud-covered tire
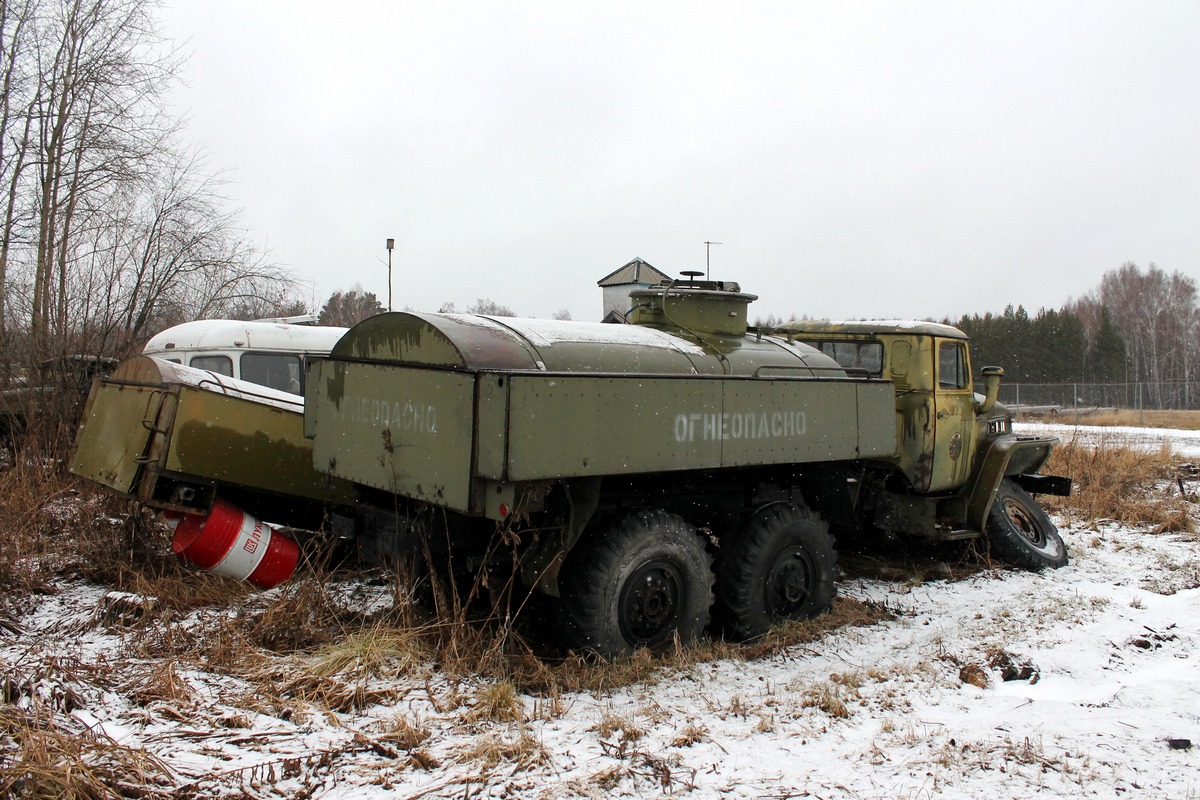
780,566
640,582
1021,533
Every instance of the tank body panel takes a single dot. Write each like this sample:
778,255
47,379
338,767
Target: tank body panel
575,425
404,429
434,406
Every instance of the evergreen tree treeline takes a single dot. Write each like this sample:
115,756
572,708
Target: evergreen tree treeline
1137,326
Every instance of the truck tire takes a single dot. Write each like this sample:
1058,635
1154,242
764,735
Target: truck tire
1020,532
779,567
640,583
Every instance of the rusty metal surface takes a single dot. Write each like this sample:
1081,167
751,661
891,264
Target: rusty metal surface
443,340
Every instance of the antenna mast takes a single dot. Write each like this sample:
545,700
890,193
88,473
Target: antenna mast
707,253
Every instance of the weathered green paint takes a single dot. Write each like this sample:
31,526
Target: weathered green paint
445,340
143,423
699,311
239,442
114,434
943,445
625,425
1007,455
406,430
410,430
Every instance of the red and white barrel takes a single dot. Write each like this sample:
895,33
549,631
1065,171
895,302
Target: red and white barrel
230,542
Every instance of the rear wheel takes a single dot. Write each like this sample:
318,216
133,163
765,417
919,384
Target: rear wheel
779,567
640,583
1021,533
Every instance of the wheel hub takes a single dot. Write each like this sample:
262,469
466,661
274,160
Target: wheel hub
1024,523
649,602
788,583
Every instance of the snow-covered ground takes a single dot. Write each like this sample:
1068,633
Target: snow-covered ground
1181,443
1079,682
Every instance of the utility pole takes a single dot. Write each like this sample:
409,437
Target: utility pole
707,251
390,244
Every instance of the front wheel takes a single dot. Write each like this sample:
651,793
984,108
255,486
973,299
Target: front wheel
1021,533
779,567
641,582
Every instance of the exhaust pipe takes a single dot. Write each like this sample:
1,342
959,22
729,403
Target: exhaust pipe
991,382
230,542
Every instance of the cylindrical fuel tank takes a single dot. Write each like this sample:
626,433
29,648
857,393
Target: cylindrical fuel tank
471,342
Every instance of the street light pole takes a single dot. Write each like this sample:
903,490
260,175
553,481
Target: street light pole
390,244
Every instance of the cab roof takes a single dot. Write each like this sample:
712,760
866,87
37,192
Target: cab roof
871,327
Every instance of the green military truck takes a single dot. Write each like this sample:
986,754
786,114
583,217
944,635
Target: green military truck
655,474
656,478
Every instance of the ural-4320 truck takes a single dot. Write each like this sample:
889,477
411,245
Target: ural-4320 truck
654,477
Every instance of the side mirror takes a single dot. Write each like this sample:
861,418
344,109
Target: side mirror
991,382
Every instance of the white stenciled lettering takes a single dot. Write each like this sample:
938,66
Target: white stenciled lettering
715,427
394,415
681,428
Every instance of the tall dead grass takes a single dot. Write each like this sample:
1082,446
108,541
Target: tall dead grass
1121,484
53,525
1134,418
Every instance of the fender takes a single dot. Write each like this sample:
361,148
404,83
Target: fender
1018,457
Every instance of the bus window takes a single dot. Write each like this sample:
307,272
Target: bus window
222,365
276,370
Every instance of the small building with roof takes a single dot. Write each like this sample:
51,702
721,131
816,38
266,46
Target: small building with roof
619,284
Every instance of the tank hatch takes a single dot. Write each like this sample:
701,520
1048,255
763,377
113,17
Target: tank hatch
715,308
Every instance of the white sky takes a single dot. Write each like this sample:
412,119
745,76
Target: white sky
855,159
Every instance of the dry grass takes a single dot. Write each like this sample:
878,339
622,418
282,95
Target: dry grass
522,751
829,697
406,733
45,752
1121,484
41,759
497,702
1132,418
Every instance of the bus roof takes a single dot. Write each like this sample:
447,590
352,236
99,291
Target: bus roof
228,334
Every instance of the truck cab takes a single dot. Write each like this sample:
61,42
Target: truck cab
937,412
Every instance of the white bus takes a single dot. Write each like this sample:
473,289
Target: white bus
267,353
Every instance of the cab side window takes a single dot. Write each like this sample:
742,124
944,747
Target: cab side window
952,366
866,356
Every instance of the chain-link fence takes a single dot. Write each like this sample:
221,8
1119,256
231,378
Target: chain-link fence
1140,395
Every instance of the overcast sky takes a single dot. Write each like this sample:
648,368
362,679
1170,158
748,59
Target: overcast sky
855,159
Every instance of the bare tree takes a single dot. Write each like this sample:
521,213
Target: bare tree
15,122
112,229
99,124
1160,320
490,307
172,252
